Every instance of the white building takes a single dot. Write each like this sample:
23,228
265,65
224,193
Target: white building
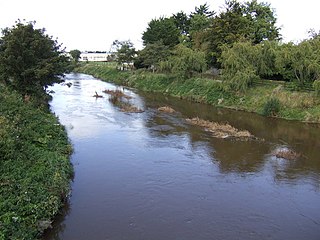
95,56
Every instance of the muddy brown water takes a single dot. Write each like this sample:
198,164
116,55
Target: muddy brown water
152,176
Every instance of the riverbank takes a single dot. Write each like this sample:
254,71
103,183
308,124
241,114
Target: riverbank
290,105
35,169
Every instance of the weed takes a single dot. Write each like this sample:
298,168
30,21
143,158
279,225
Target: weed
34,167
271,107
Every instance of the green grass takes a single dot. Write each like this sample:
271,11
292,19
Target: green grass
294,105
35,170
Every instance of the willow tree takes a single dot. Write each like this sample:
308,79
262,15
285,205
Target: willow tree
266,64
300,62
306,61
185,62
239,68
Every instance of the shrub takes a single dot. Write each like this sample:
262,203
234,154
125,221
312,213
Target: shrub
316,86
271,107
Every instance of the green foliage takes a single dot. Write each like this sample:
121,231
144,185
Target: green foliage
203,10
306,60
239,70
75,54
300,106
271,107
250,21
30,60
151,55
207,31
198,23
316,86
262,21
34,167
265,62
125,51
185,62
244,62
182,22
162,29
300,62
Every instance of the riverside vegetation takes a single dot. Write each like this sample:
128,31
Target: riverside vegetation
35,170
260,98
234,58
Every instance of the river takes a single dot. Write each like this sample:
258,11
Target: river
151,175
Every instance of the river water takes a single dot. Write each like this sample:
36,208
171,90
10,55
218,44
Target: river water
151,175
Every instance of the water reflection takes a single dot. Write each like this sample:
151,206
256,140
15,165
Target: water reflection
252,156
154,176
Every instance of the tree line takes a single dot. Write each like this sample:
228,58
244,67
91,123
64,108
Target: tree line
242,41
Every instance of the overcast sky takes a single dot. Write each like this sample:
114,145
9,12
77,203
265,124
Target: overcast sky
95,24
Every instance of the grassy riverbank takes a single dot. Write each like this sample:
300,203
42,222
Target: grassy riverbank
35,170
301,106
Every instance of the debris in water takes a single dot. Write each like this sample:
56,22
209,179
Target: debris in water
97,95
127,107
166,109
117,93
286,153
219,130
117,98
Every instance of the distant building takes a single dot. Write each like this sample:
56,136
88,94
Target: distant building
95,56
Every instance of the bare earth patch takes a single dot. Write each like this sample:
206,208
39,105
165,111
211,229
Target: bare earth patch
219,130
166,109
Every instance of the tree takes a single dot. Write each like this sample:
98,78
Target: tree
152,54
162,29
75,54
228,27
238,65
182,22
265,62
203,10
301,62
306,61
125,52
30,60
262,21
185,62
250,21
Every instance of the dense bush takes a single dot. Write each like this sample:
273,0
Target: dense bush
34,167
30,60
316,86
271,107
